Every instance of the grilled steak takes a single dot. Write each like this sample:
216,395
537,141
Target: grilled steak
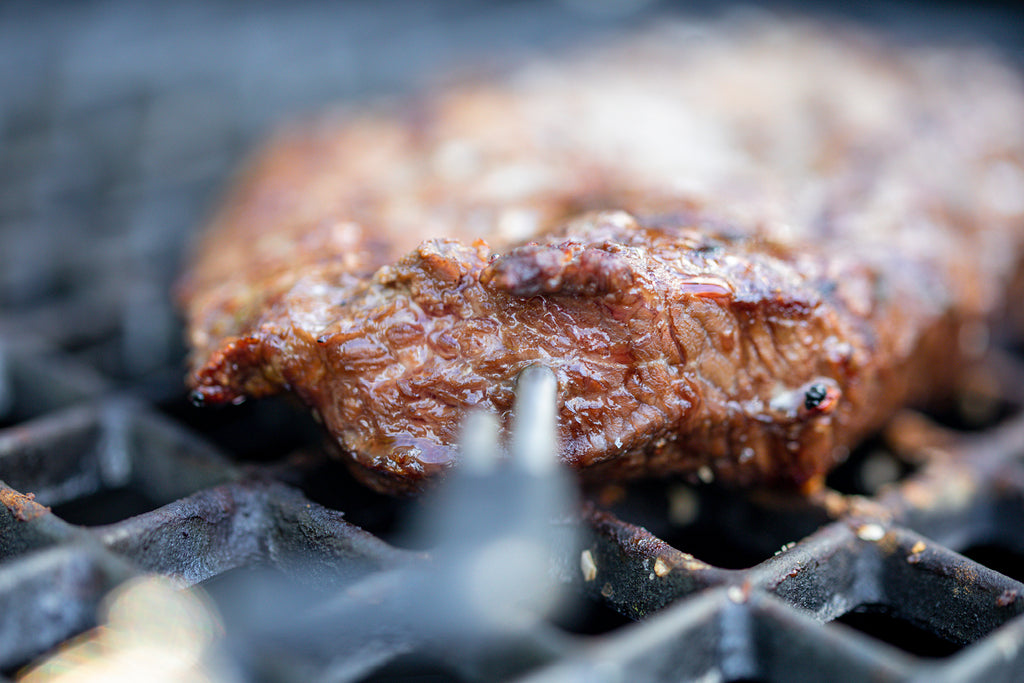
739,249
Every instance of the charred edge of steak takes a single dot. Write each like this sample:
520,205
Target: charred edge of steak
656,388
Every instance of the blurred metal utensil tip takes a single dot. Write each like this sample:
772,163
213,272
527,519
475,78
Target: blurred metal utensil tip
495,535
496,538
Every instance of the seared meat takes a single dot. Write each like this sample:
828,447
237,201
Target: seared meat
749,247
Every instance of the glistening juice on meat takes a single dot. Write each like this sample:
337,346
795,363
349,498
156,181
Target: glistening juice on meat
739,248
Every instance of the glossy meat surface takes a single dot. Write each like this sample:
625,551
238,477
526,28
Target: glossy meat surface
739,248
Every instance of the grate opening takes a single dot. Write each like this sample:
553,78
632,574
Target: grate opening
140,346
869,468
52,285
328,482
253,431
878,622
34,385
413,668
679,515
721,527
97,465
107,506
56,457
708,544
979,405
589,618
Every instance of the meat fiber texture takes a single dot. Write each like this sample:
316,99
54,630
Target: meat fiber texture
740,248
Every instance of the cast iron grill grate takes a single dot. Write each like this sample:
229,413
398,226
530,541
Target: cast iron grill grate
116,127
885,566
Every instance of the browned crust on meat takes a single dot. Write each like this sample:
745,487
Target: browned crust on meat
687,328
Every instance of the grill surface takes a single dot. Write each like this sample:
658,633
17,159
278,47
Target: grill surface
117,126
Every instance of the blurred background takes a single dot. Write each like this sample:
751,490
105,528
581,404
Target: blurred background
121,122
